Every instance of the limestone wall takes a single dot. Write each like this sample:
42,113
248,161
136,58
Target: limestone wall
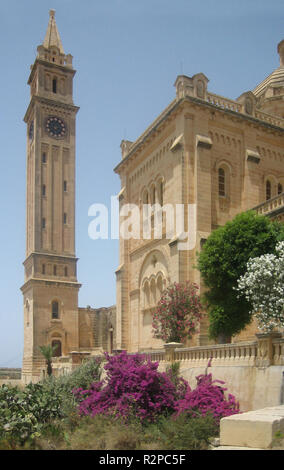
252,371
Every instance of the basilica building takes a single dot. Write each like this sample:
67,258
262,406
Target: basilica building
215,157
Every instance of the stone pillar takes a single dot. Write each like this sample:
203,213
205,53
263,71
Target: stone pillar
265,348
170,351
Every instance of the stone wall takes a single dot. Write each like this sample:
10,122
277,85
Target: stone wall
252,371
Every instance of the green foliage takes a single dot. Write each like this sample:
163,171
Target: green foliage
103,432
24,414
224,259
48,352
185,433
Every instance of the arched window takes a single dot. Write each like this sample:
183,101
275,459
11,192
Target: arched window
43,269
111,338
153,194
55,309
153,296
161,185
160,286
268,190
279,188
56,343
146,295
54,85
65,271
221,182
54,270
43,190
44,157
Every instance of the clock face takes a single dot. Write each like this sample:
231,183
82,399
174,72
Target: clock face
55,127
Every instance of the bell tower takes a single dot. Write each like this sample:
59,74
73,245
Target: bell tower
50,289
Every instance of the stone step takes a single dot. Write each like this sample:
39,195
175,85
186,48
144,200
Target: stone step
257,429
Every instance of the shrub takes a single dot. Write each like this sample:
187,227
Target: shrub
133,386
263,287
178,313
223,260
186,432
208,398
24,413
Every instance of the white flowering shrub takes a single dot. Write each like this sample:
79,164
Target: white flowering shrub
263,287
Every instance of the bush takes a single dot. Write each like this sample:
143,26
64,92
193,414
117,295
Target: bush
223,260
184,432
178,313
103,432
208,398
263,287
24,413
133,386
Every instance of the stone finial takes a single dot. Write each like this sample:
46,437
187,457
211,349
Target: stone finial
52,13
125,147
280,50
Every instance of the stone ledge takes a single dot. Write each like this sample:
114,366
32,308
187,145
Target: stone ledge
235,448
254,429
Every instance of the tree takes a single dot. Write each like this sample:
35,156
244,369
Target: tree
178,313
223,260
48,352
263,287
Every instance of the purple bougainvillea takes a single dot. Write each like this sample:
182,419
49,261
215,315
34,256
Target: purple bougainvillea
208,397
134,386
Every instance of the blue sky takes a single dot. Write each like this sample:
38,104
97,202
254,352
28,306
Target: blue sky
127,54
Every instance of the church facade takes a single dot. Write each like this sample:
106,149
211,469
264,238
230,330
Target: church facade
214,156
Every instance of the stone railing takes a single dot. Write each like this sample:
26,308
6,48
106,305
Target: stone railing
278,352
238,107
274,120
271,205
267,349
224,103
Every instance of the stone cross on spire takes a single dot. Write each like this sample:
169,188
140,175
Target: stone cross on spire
52,37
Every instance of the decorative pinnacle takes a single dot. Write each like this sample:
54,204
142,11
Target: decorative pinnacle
52,37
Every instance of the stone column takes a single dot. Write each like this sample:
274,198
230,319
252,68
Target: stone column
265,348
170,351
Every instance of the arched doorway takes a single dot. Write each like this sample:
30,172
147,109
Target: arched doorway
58,351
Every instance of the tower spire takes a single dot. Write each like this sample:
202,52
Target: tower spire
52,37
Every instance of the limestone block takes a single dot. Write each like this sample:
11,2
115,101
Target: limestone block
252,429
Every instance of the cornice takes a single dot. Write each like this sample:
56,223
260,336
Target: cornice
50,255
47,101
173,106
45,63
49,283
